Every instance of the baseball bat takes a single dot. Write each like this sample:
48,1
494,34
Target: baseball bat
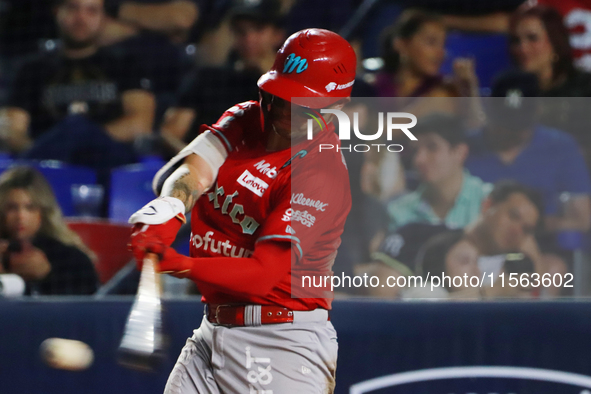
142,343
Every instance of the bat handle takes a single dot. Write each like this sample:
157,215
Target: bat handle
150,283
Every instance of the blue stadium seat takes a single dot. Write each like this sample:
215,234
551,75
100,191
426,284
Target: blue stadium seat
131,188
490,52
60,176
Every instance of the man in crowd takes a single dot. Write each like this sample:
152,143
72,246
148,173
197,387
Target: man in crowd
79,103
210,90
448,194
513,146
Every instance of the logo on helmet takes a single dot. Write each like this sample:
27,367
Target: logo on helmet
296,63
334,86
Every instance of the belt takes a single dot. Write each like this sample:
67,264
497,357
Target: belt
256,315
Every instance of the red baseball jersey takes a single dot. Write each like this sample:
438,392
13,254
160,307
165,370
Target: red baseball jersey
298,195
577,18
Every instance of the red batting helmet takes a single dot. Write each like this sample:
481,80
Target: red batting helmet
312,63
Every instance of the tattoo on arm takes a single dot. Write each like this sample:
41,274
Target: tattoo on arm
185,191
184,186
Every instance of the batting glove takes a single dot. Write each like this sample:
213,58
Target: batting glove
169,261
158,222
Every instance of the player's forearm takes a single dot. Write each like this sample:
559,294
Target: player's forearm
171,17
255,275
187,184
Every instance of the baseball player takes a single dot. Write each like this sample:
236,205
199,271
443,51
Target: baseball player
267,210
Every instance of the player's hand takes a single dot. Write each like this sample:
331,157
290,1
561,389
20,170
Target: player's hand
158,222
175,264
169,261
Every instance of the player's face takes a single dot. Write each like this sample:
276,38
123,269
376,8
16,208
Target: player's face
531,47
290,122
80,22
510,222
425,51
437,160
23,217
254,40
462,259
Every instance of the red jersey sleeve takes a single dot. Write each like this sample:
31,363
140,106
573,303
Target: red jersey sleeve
230,127
311,209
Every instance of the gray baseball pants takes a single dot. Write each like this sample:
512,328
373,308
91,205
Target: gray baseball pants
287,358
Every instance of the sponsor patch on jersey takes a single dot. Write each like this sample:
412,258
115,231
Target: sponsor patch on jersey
300,199
289,230
299,216
208,242
252,183
265,168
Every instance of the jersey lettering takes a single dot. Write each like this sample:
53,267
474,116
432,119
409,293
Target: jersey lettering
224,248
248,224
263,167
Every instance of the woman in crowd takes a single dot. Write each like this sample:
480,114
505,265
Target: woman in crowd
452,255
539,43
36,243
413,50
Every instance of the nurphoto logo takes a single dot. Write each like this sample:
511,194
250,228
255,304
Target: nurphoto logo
391,120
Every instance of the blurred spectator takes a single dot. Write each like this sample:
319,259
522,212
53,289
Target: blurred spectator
209,91
397,254
451,255
448,194
125,19
514,146
510,217
575,14
36,243
577,19
413,50
28,23
448,254
540,44
508,220
79,104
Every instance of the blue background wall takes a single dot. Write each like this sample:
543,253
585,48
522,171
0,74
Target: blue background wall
376,339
